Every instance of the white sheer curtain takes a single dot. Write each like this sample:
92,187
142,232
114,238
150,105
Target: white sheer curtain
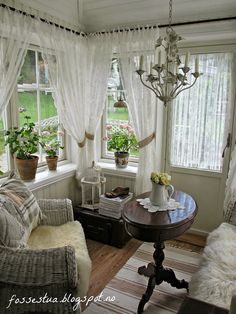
67,66
78,71
14,33
99,61
200,116
230,192
142,103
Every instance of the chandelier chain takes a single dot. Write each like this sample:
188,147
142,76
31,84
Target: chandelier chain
169,77
170,13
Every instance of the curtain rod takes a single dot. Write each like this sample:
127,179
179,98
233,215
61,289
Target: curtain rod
42,20
200,21
136,28
116,30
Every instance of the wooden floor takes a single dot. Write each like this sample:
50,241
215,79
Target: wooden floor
108,260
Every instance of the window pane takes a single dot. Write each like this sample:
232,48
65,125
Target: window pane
199,116
115,113
28,100
28,71
43,72
116,117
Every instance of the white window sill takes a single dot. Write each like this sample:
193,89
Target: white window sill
109,168
46,177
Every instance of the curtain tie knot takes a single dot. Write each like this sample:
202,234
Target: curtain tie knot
86,136
89,136
146,140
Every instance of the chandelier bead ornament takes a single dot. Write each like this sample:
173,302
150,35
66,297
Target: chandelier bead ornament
167,80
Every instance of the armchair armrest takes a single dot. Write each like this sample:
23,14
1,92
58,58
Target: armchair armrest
38,268
57,211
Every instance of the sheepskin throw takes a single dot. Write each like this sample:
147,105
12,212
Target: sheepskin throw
71,233
215,281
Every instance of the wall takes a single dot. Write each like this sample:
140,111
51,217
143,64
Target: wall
66,188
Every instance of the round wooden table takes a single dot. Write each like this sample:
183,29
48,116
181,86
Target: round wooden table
158,227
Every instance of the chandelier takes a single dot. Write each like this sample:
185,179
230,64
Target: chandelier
168,79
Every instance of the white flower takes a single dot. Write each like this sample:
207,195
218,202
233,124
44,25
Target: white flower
60,133
46,133
21,109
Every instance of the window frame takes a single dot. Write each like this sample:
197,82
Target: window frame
200,49
10,118
105,154
37,87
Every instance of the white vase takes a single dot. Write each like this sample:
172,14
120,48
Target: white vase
161,194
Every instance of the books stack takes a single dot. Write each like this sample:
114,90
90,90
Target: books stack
112,207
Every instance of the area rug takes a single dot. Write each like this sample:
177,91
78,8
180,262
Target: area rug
127,287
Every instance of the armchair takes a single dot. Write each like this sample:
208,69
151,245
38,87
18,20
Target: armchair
55,265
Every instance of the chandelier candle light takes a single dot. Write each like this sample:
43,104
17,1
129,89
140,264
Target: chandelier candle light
168,79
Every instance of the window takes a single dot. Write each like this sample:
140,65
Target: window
115,116
35,95
199,116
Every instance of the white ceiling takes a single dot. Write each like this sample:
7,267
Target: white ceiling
96,15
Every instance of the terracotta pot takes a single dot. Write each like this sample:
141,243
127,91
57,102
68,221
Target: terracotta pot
121,159
27,167
52,162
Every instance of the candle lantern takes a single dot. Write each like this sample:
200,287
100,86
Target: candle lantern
92,186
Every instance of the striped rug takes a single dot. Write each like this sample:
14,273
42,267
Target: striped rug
128,286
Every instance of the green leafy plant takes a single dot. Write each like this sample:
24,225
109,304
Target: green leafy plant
50,143
120,138
23,141
161,178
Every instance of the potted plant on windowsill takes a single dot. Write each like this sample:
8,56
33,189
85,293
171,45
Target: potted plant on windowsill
23,143
121,139
51,146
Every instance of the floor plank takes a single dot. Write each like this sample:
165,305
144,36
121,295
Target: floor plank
107,261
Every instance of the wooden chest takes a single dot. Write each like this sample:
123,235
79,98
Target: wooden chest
101,228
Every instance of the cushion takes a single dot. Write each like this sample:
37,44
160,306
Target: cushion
12,233
70,233
215,281
20,202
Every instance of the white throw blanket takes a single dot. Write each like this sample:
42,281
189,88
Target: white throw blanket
71,233
215,281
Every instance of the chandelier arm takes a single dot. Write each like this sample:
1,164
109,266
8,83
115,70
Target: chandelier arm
176,89
186,87
157,88
148,86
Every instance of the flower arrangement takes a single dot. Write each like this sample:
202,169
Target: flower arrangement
161,178
50,143
120,138
23,141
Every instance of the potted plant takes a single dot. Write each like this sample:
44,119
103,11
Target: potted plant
23,143
51,145
121,139
160,183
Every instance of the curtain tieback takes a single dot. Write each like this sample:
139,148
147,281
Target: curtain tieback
86,136
89,136
146,140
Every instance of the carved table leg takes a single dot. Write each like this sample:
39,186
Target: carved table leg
157,274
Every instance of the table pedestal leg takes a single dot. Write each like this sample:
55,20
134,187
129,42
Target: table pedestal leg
157,274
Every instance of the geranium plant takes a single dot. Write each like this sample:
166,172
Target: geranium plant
50,143
23,141
161,178
120,138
